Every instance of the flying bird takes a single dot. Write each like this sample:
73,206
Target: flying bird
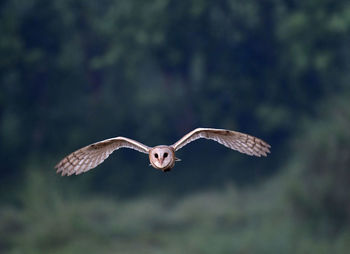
161,157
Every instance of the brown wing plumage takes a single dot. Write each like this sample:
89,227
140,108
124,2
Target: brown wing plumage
238,141
92,155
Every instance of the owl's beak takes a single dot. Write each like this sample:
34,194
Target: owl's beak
161,160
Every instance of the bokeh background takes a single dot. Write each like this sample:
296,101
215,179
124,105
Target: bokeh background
73,72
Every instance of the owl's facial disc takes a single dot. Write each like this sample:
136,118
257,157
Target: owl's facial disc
162,157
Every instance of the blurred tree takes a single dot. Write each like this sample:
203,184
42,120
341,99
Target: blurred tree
73,72
321,185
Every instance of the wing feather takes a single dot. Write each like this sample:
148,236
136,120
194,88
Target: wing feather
238,141
92,155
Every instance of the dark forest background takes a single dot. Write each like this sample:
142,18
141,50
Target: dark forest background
74,72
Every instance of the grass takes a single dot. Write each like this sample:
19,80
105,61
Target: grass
257,220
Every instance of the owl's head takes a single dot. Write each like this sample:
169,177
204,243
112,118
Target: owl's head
162,157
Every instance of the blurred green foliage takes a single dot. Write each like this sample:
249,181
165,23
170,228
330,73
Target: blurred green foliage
73,72
320,195
258,220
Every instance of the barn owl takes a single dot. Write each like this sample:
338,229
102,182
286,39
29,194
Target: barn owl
161,157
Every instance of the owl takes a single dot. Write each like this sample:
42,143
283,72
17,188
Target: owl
161,157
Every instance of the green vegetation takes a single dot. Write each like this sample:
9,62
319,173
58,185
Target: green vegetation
73,72
255,220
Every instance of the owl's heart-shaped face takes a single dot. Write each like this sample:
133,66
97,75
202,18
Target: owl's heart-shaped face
162,157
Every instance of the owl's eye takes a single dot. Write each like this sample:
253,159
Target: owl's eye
156,155
165,155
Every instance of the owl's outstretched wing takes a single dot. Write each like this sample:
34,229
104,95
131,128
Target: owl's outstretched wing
92,155
238,141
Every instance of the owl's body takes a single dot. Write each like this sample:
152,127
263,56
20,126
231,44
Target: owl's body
161,157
